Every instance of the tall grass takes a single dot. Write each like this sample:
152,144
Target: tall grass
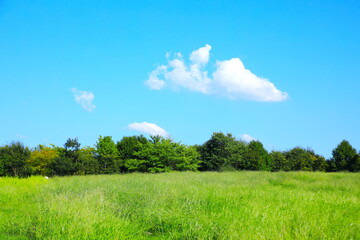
233,205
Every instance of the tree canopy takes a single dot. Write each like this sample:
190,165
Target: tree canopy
222,152
344,156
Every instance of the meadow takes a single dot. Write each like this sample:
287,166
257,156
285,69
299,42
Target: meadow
182,205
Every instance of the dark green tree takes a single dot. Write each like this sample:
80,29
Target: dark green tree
343,156
219,151
237,151
256,157
300,159
331,165
129,145
319,163
61,165
14,160
354,164
88,163
279,161
71,152
72,144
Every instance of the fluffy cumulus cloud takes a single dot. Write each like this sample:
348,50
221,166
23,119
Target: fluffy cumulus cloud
177,74
149,128
85,99
247,138
201,56
230,78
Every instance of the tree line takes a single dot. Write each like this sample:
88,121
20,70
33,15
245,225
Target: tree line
222,152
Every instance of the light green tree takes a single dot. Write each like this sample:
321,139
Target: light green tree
41,159
107,155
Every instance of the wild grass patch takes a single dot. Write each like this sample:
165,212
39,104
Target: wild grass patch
187,205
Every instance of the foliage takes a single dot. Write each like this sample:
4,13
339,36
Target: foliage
72,145
127,148
319,163
129,145
221,150
343,155
300,159
88,163
107,155
162,155
187,158
41,159
13,160
354,163
256,157
279,162
62,165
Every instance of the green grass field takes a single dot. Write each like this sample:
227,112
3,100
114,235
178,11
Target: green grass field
182,205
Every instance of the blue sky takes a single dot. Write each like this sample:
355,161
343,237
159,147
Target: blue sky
284,72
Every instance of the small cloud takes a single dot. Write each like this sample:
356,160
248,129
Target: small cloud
230,79
149,128
84,98
247,138
20,136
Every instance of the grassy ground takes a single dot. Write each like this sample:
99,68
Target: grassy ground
233,205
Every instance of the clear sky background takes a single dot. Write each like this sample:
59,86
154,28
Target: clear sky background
89,68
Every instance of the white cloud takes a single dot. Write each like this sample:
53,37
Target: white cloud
20,136
84,98
178,75
235,81
154,82
247,138
190,78
149,128
201,56
230,79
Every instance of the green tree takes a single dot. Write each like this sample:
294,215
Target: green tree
354,164
186,158
88,163
279,162
14,160
343,156
331,165
256,157
129,145
161,155
72,144
41,158
67,162
319,163
107,155
72,147
300,159
62,165
219,151
154,156
237,150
